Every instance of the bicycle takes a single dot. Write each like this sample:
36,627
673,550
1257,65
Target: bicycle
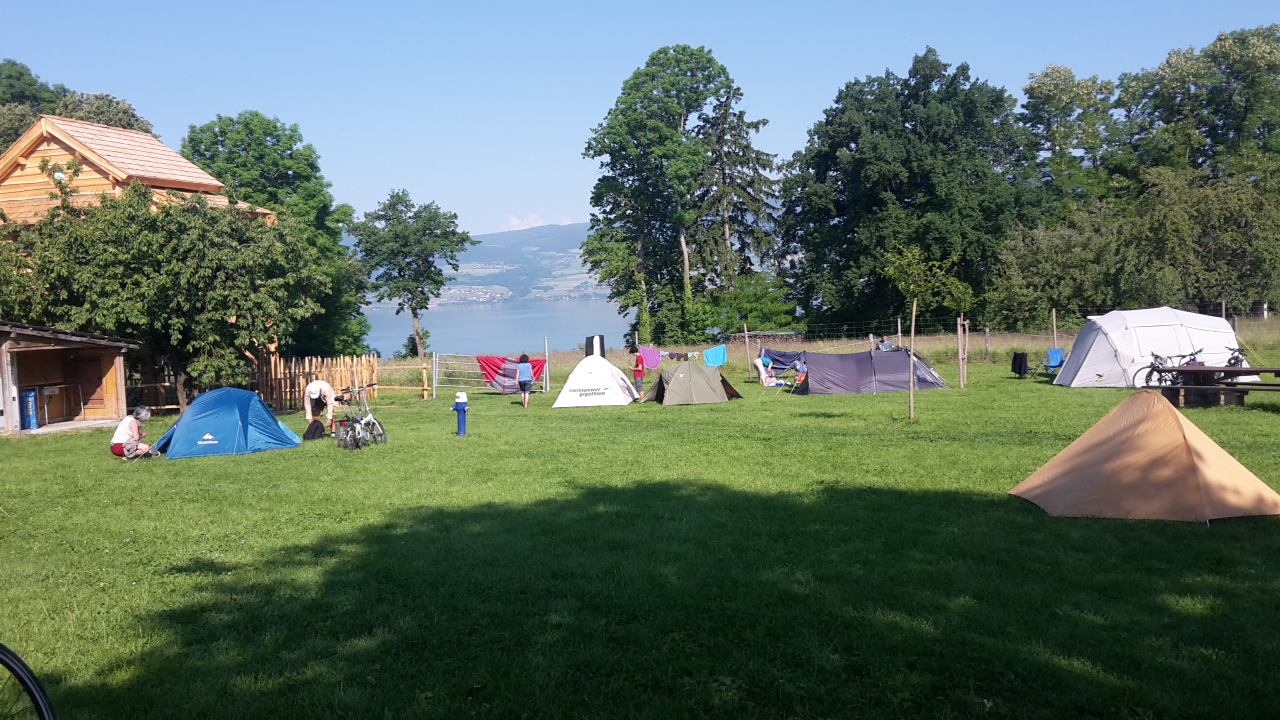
358,426
21,695
1160,361
1237,357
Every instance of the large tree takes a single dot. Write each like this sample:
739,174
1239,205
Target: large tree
653,163
266,162
23,96
934,160
404,245
101,108
206,290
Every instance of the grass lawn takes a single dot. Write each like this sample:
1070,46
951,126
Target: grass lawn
778,556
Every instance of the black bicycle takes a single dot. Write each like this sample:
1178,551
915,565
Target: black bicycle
21,695
1237,357
1156,378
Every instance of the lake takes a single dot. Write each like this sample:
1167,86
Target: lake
500,328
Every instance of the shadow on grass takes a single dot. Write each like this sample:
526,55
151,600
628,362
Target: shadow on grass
683,600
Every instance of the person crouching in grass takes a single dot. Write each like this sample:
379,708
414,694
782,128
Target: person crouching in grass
125,442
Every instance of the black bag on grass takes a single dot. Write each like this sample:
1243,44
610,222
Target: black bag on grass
315,431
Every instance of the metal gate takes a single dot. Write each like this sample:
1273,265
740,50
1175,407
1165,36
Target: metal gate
463,372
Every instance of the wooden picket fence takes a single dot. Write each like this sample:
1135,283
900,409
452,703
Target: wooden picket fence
282,382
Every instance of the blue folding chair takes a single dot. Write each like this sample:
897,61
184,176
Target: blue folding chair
1053,363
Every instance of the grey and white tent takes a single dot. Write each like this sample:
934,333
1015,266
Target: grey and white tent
1112,349
594,382
865,373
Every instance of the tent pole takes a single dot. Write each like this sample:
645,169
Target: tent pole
912,394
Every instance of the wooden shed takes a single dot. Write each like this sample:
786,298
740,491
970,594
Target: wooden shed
71,376
111,158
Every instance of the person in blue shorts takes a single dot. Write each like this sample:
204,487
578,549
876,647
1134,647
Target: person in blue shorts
524,376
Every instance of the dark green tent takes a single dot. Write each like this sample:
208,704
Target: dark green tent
691,384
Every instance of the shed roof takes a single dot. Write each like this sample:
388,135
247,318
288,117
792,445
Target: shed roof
40,331
125,154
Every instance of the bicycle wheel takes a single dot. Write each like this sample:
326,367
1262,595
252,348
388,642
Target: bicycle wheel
21,696
377,433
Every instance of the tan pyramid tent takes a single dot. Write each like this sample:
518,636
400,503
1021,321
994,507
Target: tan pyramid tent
1145,460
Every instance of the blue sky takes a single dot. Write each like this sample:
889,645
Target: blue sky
485,107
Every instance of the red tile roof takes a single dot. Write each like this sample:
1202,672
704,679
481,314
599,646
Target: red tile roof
137,154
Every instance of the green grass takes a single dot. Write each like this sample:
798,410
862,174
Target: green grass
774,557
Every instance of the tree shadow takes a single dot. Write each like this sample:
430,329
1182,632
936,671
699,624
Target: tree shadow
678,599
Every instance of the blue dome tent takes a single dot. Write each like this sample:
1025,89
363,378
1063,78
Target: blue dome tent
226,421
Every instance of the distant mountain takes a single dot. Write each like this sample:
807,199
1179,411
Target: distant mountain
542,262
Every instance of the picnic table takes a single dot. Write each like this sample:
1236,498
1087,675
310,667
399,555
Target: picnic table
1206,385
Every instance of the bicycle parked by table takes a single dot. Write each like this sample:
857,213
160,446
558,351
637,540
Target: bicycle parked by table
358,427
1155,377
21,695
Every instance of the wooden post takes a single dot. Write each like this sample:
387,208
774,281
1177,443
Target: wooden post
435,374
966,350
1054,315
746,342
986,333
912,394
899,332
1224,309
960,349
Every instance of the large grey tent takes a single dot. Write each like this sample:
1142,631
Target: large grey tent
691,384
865,373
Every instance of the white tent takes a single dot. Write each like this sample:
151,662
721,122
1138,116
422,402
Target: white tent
1111,349
595,381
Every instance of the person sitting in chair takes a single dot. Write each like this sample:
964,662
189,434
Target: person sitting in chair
884,343
125,442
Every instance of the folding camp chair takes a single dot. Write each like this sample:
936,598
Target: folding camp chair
1053,363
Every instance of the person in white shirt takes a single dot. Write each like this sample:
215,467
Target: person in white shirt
320,395
124,443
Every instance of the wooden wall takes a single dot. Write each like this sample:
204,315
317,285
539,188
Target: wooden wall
26,182
91,381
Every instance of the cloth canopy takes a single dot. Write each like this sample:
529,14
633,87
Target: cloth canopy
1147,460
783,359
500,372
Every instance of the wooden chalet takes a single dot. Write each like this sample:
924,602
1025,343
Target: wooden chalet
67,376
111,158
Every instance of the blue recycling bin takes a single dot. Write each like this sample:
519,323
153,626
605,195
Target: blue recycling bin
28,415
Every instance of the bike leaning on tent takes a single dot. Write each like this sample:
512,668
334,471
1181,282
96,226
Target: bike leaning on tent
1237,357
358,427
1156,378
21,695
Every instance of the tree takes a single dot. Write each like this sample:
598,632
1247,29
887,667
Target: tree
736,194
206,290
934,161
410,347
1071,120
23,96
1219,108
265,162
645,198
759,301
402,243
103,109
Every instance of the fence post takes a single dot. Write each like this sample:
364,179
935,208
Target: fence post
746,343
1224,309
986,338
899,331
966,350
435,373
546,369
1054,313
912,385
960,349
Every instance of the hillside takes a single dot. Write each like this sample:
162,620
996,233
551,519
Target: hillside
538,263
